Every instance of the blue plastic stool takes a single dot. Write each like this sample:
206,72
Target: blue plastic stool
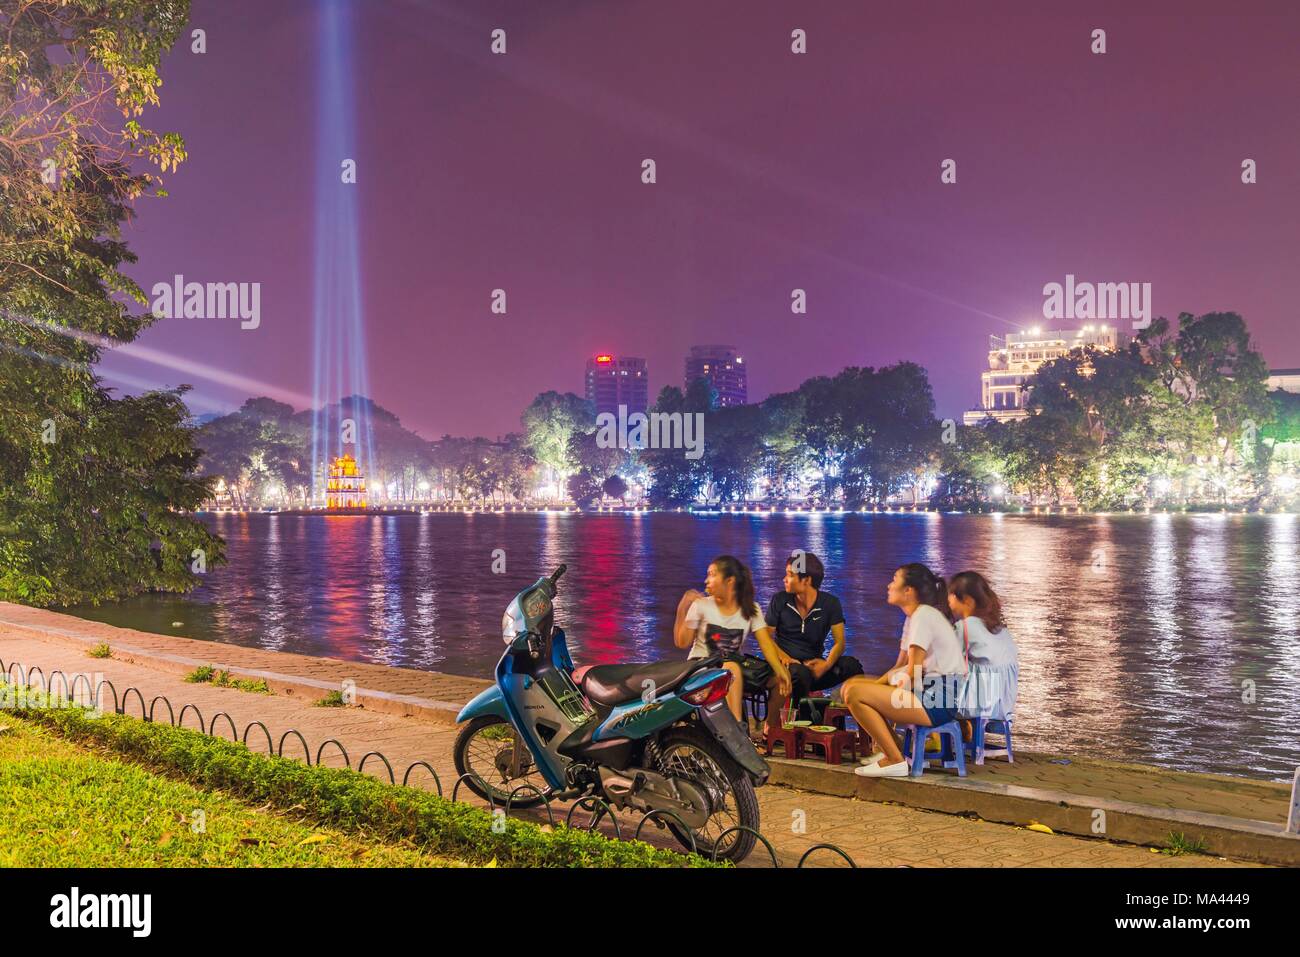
952,754
978,744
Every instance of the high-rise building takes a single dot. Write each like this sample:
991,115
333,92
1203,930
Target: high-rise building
617,380
724,368
1015,357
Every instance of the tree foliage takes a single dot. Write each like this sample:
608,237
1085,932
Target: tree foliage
92,487
1178,414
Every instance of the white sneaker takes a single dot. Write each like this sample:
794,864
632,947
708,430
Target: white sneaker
877,770
872,758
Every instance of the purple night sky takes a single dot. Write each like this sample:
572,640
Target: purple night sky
775,171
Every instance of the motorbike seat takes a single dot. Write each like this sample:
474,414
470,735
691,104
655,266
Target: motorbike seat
615,684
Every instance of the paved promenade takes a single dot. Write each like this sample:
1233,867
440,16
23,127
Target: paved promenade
874,834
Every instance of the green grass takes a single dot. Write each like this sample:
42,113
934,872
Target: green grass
342,799
201,675
332,700
67,806
101,650
497,732
1180,844
206,674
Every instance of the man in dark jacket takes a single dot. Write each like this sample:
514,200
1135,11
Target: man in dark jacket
802,617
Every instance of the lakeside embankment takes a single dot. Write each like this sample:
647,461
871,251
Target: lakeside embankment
1204,608
408,716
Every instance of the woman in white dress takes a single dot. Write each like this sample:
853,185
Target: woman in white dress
990,688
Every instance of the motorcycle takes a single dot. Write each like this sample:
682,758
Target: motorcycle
640,737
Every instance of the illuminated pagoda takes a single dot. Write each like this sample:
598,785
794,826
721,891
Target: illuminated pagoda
346,486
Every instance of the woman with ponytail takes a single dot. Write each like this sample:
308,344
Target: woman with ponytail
922,689
717,623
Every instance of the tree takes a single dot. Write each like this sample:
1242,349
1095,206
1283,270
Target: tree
1210,360
733,450
784,455
1174,414
517,467
583,488
93,488
550,422
903,444
1284,425
260,446
675,480
869,430
825,428
586,453
614,487
971,467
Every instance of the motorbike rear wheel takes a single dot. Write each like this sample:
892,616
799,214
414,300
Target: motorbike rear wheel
486,750
690,752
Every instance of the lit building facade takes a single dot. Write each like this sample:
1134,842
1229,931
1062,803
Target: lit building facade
617,380
1287,380
724,368
346,486
1015,357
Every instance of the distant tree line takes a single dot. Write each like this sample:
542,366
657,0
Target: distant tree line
1180,415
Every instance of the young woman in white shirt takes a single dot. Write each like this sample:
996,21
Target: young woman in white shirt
921,691
718,622
990,688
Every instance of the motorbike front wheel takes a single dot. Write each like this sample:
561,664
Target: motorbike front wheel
490,750
690,752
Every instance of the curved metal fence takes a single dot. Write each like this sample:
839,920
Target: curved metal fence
599,808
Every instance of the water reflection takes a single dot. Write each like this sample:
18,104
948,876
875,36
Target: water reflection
1164,638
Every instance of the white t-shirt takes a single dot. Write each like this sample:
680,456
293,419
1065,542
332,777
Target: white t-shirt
928,629
716,633
995,649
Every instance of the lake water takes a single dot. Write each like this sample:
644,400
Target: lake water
1163,639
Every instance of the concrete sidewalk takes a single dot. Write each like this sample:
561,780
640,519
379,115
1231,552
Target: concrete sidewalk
403,720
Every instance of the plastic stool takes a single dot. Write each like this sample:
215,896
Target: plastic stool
978,744
791,739
832,743
953,754
835,714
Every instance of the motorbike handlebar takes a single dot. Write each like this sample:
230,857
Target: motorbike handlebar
555,575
